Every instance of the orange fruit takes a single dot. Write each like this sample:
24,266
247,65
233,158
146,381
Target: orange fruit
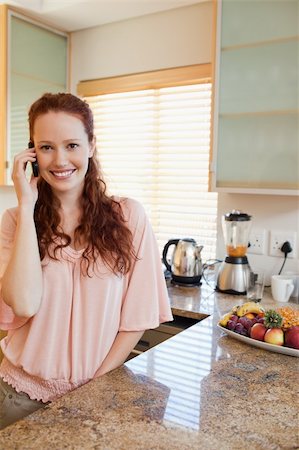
250,315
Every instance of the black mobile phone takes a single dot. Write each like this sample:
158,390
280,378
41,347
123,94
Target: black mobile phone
33,164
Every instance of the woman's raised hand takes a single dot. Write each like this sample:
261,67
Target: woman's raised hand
26,191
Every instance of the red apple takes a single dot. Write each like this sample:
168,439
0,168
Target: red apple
258,331
292,337
274,336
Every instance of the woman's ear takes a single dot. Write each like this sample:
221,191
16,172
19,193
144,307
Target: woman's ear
92,147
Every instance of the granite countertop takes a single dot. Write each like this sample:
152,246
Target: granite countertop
198,390
204,301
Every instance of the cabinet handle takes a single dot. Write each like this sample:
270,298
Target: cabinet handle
136,352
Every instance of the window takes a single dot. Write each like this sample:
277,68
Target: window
154,146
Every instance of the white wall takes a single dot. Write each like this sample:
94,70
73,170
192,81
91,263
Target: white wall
172,38
169,39
276,213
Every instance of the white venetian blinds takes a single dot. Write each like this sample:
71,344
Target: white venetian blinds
154,145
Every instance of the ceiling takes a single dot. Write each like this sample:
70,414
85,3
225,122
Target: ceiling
72,15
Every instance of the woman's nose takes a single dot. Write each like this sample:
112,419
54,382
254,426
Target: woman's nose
61,158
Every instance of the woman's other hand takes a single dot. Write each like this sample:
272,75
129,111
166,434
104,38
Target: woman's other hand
26,191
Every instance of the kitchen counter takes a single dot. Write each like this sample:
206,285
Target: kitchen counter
198,390
193,302
203,301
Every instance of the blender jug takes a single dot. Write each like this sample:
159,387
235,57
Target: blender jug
236,227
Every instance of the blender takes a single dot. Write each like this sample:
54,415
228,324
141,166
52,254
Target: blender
234,272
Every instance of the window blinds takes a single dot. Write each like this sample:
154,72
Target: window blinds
153,145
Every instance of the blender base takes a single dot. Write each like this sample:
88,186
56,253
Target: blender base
233,276
229,291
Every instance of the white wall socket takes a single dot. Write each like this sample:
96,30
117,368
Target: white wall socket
257,241
277,238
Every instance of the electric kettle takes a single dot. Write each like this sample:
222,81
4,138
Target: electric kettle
186,264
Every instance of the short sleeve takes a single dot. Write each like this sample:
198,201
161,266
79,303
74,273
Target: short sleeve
146,302
8,320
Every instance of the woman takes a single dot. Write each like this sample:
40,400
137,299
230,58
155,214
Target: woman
80,272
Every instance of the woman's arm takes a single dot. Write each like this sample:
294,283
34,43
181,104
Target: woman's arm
22,278
124,343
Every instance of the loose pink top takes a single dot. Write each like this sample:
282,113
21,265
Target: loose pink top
63,345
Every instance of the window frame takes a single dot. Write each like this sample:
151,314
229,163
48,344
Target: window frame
176,76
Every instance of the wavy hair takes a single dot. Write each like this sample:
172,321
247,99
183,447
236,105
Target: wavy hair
102,225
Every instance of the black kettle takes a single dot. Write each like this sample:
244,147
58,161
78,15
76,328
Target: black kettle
186,265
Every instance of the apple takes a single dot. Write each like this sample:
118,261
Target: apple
292,337
258,331
274,336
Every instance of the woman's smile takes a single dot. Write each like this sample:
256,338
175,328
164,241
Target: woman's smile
62,174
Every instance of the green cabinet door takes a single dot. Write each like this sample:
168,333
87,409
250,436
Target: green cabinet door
37,63
256,114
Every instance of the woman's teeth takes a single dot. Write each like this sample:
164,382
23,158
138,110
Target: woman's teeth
67,173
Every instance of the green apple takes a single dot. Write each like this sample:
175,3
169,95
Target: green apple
274,336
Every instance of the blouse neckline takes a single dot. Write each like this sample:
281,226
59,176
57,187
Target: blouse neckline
72,252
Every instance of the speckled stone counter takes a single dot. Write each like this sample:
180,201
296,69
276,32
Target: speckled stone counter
198,390
201,302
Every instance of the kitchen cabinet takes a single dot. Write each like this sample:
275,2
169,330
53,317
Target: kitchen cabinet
256,98
34,60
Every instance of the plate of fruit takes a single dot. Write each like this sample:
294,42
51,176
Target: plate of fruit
276,330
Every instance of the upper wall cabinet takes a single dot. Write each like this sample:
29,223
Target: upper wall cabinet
256,141
34,60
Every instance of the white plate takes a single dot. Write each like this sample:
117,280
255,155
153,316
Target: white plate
261,344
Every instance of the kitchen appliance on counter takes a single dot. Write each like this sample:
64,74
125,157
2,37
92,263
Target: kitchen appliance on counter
186,265
234,273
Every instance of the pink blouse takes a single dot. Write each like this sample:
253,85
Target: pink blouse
63,345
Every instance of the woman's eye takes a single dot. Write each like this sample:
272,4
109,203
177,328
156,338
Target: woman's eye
72,146
45,147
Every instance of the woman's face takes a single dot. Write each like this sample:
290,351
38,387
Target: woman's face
62,150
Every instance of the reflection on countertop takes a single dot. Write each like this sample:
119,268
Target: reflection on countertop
180,364
195,302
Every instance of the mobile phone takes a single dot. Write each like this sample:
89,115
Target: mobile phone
33,164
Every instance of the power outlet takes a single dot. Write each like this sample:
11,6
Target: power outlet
277,238
257,241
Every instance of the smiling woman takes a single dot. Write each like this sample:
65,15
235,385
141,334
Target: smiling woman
62,150
72,291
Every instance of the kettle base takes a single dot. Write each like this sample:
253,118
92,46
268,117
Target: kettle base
185,281
175,283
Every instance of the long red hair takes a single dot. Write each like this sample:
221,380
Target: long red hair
102,225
